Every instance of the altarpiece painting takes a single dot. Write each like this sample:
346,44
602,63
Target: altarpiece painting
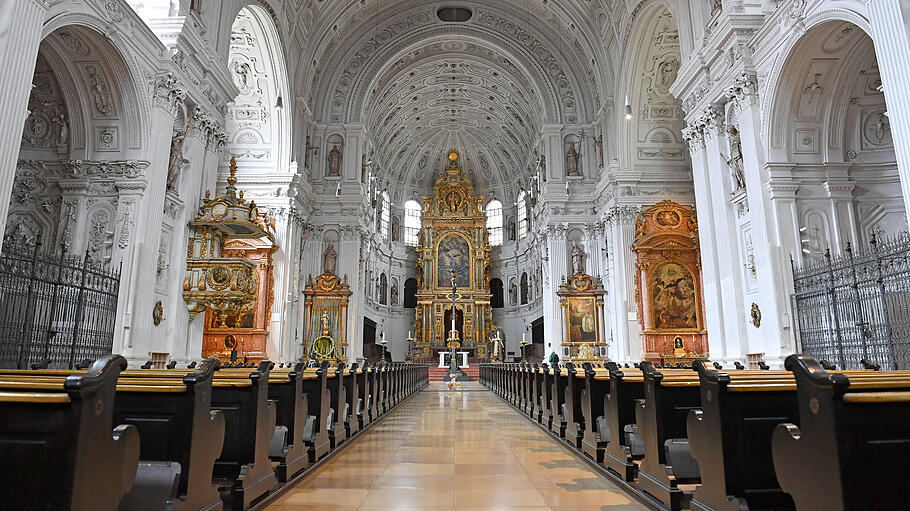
668,284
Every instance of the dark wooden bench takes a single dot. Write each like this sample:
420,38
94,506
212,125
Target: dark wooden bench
352,399
292,413
669,396
557,400
626,388
730,437
365,387
244,469
175,427
852,442
338,413
319,403
57,444
575,420
546,414
595,437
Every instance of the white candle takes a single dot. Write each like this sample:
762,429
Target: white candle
409,334
523,337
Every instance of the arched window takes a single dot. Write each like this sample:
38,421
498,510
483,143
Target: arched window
494,222
522,207
412,211
524,288
497,301
410,293
384,215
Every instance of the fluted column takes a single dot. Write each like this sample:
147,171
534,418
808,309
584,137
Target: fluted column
621,305
349,264
892,48
556,263
773,277
140,335
20,35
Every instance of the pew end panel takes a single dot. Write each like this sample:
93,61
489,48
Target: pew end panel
851,443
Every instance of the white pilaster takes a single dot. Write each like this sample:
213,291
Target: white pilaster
20,35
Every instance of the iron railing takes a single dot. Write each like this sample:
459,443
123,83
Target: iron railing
856,306
55,311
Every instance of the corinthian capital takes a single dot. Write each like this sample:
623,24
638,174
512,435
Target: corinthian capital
744,91
712,122
168,93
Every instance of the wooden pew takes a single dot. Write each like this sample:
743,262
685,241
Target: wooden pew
626,388
59,450
538,393
557,400
669,396
352,399
527,388
292,412
546,414
319,402
596,435
366,394
383,403
175,427
852,442
731,437
338,414
533,396
375,381
244,469
575,420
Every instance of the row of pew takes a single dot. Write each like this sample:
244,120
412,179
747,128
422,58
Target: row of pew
802,438
201,438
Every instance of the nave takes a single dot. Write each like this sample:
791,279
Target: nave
463,450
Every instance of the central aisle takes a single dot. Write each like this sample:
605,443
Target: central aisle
462,450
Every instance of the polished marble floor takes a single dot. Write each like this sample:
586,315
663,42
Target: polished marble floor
445,450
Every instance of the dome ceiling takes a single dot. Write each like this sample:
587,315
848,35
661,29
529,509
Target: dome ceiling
484,87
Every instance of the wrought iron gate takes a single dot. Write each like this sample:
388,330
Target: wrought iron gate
856,306
56,309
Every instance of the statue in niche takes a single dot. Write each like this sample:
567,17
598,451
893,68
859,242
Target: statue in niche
542,163
393,295
513,293
572,161
736,159
511,229
395,228
599,142
329,258
334,162
308,148
63,133
177,161
578,259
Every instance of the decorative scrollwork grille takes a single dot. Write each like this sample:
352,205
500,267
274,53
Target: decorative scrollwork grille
857,305
54,310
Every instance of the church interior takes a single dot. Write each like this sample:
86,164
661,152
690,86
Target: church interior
472,254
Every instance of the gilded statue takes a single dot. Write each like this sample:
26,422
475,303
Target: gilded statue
324,346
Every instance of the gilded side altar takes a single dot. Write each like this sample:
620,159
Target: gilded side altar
453,239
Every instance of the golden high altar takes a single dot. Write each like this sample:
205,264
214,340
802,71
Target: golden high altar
453,237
